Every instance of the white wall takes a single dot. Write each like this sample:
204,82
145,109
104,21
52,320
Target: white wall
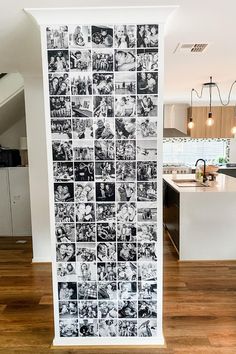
11,137
38,176
232,153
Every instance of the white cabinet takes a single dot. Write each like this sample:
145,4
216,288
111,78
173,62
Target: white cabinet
15,218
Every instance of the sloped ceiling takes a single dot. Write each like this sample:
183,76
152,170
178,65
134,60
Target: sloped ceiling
12,111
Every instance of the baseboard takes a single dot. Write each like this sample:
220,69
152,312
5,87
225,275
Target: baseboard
41,260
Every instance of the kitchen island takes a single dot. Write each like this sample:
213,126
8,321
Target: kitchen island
201,221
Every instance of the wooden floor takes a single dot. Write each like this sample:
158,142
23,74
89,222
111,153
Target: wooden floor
199,306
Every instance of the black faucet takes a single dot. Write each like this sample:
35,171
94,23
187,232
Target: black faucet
204,168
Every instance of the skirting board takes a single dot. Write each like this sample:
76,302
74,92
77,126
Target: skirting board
41,260
113,342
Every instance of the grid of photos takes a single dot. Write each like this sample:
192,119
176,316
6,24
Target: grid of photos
103,99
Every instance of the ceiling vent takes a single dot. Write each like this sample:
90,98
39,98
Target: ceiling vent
190,47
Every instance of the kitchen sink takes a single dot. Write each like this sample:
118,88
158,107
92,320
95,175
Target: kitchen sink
185,182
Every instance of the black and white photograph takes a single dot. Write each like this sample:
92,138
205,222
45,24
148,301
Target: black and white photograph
127,290
127,328
83,150
102,60
125,171
105,171
84,192
125,191
80,36
126,232
66,272
147,251
147,128
127,309
127,271
147,82
65,232
81,83
146,170
88,328
147,59
147,271
127,252
67,291
126,212
147,105
146,150
104,150
64,212
104,128
59,84
60,106
146,191
125,60
103,83
107,328
125,83
87,290
62,150
80,60
147,328
68,309
106,251
102,36
57,37
68,327
58,61
107,291
63,171
106,232
147,36
85,212
125,128
124,36
125,106
84,171
82,128
105,192
61,129
105,212
147,290
85,232
126,150
86,272
82,106
147,309
147,232
88,309
147,211
103,106
86,252
65,252
106,271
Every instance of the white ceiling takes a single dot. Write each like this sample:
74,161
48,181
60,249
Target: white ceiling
194,21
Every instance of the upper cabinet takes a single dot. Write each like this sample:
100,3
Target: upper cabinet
224,120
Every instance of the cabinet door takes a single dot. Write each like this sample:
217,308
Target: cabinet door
199,115
5,205
20,201
228,121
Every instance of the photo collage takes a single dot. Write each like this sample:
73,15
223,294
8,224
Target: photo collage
103,102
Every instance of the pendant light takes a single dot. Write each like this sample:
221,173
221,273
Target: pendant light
210,119
191,123
233,129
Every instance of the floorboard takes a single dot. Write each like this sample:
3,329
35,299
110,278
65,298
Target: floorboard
199,306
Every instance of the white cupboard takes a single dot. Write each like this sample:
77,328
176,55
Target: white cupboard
15,218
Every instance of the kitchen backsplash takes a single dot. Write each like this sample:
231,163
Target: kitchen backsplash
187,150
